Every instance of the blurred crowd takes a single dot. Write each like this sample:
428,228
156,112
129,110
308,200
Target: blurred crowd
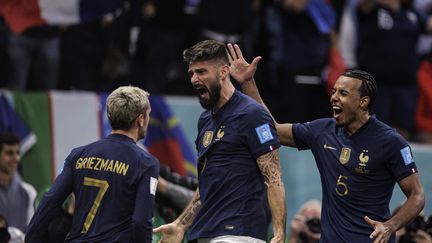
305,45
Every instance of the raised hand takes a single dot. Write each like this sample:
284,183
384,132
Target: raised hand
240,69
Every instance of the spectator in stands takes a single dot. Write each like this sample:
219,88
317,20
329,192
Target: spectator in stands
34,57
236,26
159,45
424,104
301,36
16,196
306,225
388,34
4,67
417,231
83,51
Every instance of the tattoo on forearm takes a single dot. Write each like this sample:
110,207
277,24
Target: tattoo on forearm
190,212
270,169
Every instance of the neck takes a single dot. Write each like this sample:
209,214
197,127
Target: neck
5,179
132,133
227,92
358,123
395,6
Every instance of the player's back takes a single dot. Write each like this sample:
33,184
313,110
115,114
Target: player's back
106,177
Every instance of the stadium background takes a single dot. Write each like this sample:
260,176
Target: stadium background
52,123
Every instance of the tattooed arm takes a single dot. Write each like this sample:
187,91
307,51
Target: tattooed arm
270,169
174,232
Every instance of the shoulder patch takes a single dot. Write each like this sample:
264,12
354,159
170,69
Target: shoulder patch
264,133
153,185
406,155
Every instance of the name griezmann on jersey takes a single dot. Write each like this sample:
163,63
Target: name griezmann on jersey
95,163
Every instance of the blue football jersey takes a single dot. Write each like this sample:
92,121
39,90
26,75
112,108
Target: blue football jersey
358,174
231,187
114,183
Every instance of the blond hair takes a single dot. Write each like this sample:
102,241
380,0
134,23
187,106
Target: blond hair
124,105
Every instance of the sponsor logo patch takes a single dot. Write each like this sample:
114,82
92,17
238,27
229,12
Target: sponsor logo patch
406,155
264,133
153,185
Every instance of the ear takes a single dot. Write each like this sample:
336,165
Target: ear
364,102
140,120
224,72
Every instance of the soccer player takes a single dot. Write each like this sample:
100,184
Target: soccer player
238,171
114,180
359,159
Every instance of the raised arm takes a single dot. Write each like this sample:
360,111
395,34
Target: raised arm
270,169
244,72
413,190
174,232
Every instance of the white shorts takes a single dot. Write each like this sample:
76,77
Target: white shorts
230,239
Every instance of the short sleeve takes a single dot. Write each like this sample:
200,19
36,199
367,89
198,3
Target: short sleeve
304,134
400,160
258,130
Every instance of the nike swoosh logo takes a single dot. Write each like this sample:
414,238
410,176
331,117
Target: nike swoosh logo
329,147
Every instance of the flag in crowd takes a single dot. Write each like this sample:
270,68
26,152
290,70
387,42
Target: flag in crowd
23,14
62,120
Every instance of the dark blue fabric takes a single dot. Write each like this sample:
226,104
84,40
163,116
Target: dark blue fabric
387,44
322,14
126,209
365,166
94,9
232,190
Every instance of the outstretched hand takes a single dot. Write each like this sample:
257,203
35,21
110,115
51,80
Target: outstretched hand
172,233
381,233
240,69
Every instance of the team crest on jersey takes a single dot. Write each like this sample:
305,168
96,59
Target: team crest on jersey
208,136
345,155
220,132
364,158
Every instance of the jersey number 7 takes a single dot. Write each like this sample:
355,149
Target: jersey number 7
103,187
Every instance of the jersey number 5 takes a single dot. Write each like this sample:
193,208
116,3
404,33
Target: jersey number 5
103,187
341,187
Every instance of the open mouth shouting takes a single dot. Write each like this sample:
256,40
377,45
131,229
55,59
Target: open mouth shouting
337,110
202,91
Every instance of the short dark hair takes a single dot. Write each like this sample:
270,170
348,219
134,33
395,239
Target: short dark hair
368,86
206,50
9,139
